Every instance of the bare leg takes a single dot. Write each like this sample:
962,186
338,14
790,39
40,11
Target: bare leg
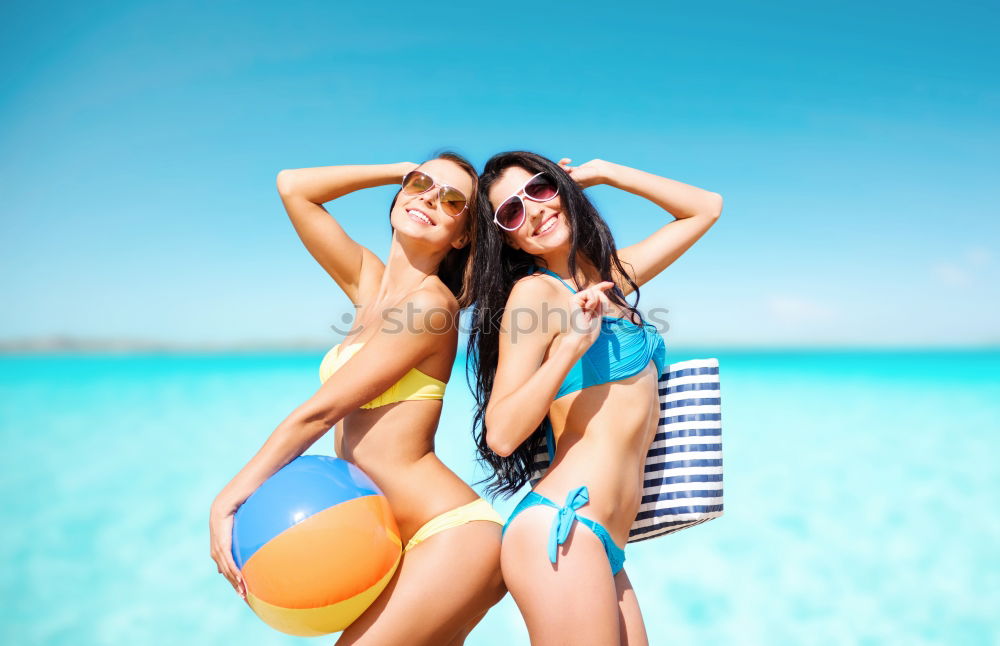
633,629
441,586
572,602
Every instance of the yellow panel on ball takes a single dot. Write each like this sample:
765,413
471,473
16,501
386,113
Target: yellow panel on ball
312,622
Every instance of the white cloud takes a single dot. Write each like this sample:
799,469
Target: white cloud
951,274
978,256
964,270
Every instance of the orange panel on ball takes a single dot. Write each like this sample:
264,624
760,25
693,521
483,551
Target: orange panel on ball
329,557
312,622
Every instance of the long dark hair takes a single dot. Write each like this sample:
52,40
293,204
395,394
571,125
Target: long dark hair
455,269
495,267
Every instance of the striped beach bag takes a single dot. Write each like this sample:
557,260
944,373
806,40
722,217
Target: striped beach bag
682,485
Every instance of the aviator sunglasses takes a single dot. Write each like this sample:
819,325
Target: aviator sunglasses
451,200
510,215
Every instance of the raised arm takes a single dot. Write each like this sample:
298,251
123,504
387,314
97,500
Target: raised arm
527,381
304,191
695,210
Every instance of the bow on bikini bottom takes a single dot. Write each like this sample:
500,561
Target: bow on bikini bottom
563,523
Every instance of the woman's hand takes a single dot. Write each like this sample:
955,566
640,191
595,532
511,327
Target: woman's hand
587,307
589,174
220,525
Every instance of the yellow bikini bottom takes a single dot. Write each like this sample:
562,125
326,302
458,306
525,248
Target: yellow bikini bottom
476,510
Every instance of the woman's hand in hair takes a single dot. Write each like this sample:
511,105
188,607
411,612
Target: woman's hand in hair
588,174
304,191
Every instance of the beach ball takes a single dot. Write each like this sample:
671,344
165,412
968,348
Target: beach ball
316,544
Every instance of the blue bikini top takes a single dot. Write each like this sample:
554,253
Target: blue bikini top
622,349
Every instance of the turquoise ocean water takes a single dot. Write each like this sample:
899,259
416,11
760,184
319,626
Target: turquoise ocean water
861,493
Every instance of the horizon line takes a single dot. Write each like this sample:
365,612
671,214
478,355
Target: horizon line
56,344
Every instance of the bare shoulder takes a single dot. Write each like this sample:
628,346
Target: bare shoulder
533,291
537,307
433,295
431,308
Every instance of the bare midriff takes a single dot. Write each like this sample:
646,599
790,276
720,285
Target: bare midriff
602,435
394,445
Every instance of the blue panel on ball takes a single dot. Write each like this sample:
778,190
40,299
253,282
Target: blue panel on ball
306,486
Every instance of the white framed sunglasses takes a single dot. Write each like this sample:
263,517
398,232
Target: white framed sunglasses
510,215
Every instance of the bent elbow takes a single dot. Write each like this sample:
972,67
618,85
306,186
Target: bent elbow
502,449
495,440
285,182
715,206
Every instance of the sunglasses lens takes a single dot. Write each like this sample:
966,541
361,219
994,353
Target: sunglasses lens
416,182
452,201
510,215
541,188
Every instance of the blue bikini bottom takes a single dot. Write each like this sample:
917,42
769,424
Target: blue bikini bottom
563,523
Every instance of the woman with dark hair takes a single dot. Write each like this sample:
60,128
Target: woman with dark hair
382,388
561,356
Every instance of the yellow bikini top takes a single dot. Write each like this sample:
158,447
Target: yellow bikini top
414,384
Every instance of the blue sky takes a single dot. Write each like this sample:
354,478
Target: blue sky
855,146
